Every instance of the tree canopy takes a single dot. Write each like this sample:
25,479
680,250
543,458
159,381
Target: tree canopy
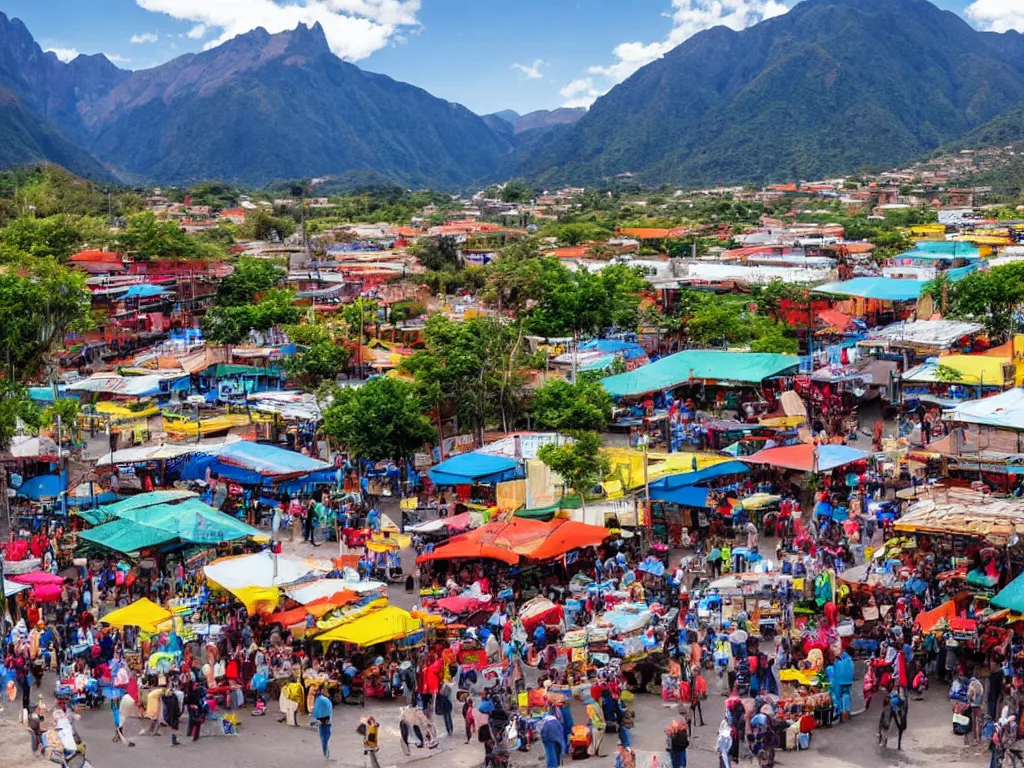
563,407
320,358
993,297
40,302
250,278
383,419
231,324
580,464
146,237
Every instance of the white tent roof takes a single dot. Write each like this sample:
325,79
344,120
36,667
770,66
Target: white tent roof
1004,410
13,588
258,570
307,593
940,334
31,446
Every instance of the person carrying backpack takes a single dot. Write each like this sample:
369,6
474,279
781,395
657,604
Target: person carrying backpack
678,743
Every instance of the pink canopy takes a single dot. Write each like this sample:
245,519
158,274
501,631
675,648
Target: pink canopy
46,593
38,577
462,604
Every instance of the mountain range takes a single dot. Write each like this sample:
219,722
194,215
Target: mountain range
828,88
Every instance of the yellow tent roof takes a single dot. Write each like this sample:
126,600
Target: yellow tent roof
143,613
391,623
975,369
627,464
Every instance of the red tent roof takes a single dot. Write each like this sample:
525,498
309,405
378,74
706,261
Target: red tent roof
104,257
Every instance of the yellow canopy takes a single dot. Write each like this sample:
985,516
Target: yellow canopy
976,369
143,613
257,599
390,623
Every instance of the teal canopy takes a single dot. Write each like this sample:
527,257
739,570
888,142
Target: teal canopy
700,365
190,522
1011,596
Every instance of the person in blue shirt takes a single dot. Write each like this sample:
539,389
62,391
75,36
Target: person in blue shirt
323,712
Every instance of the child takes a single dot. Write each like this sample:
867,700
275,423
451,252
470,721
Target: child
260,708
468,714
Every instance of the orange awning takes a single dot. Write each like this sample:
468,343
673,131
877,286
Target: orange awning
517,538
927,620
318,608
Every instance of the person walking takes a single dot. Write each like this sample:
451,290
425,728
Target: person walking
678,743
323,712
371,741
597,726
468,714
552,739
443,706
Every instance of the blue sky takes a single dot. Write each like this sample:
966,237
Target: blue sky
486,54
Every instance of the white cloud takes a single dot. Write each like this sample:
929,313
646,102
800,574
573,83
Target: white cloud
688,18
579,93
146,37
113,57
64,54
354,28
197,32
532,71
997,15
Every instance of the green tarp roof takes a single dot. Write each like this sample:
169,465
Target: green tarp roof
191,522
699,364
546,513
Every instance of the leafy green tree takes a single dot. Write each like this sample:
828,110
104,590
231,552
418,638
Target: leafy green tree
471,370
991,297
516,191
438,253
580,464
15,406
58,236
564,407
250,278
580,232
360,313
320,359
145,237
261,224
40,302
68,410
581,302
383,419
231,325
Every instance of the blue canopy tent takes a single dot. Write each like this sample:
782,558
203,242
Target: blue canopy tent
42,487
474,468
251,463
683,489
144,291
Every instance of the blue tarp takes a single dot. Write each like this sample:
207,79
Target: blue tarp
268,460
687,495
708,473
628,350
469,468
941,249
880,288
144,291
42,487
